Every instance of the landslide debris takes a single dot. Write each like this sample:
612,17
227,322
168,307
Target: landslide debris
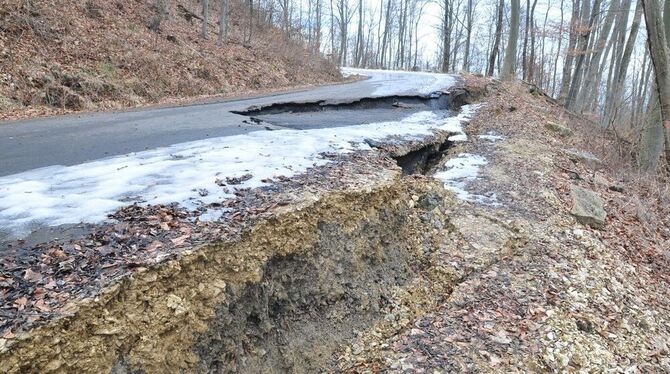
523,286
587,207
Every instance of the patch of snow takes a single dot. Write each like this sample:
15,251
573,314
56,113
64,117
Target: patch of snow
491,136
396,82
191,174
459,172
462,137
212,214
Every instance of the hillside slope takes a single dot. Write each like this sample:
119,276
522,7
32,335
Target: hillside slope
84,55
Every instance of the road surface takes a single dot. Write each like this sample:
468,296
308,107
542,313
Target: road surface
71,140
73,170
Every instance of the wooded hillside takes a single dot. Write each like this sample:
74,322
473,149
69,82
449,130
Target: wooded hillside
82,55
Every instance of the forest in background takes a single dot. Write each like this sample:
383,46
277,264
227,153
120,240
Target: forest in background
592,56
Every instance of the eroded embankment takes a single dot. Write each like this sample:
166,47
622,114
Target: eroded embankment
317,265
282,297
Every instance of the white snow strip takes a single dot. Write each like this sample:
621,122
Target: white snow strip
491,136
184,172
461,171
395,82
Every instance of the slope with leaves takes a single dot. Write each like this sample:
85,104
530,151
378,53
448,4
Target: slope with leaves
84,55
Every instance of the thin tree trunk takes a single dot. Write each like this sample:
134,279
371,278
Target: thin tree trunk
620,76
658,48
468,35
205,18
531,59
558,53
508,72
588,19
223,22
446,37
592,71
524,53
570,53
498,36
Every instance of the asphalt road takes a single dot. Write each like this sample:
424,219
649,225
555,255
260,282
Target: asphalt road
75,139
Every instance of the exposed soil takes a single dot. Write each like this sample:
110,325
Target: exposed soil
521,286
279,282
367,265
87,55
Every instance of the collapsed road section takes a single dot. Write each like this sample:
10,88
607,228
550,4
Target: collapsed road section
279,277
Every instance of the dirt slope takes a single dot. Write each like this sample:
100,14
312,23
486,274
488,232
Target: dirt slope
84,55
522,286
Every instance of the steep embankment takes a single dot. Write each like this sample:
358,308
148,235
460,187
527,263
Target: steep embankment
539,278
85,55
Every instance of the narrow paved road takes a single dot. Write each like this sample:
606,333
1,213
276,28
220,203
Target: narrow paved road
72,170
71,140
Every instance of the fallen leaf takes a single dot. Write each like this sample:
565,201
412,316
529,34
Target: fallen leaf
39,304
153,246
180,240
21,303
32,276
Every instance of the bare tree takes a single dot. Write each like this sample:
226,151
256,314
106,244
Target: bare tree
658,48
205,18
223,22
498,37
508,70
469,15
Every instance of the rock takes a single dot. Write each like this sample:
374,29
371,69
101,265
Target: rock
616,188
559,129
584,325
584,157
588,207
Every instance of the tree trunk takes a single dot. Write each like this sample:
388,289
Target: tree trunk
223,22
588,19
251,22
569,53
205,18
558,53
508,72
468,35
531,60
317,28
359,36
592,71
620,76
498,36
658,49
524,53
446,37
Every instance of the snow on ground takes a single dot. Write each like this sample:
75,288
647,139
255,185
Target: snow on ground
403,82
492,137
187,173
459,172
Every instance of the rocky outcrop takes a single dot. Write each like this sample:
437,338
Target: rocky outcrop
559,129
588,207
585,158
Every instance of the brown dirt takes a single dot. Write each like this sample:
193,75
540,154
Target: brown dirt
86,55
283,295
